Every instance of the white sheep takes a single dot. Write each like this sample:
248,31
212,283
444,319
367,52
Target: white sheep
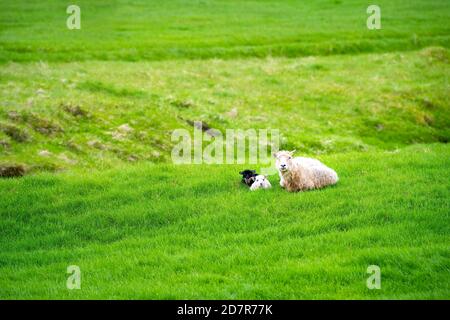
299,174
261,182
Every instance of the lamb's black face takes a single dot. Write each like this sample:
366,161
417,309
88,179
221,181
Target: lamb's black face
248,176
248,173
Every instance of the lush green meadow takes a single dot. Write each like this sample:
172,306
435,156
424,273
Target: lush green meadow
320,105
164,231
88,115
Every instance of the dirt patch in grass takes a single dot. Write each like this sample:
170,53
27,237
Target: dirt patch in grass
97,144
4,144
73,146
14,116
39,124
184,104
201,125
15,133
42,125
12,171
75,110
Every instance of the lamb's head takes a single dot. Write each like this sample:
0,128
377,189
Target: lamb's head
260,180
284,160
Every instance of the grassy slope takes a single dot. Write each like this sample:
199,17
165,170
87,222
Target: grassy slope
320,105
136,30
161,231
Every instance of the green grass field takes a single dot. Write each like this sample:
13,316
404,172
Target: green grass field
372,104
164,231
134,30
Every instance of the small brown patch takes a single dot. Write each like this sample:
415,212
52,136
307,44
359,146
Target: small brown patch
14,116
39,124
72,145
428,120
185,104
133,158
96,144
15,133
11,171
201,125
76,111
43,126
4,144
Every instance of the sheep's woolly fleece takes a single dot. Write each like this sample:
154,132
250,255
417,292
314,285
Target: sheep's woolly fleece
299,174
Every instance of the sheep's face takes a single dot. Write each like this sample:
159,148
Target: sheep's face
283,160
259,180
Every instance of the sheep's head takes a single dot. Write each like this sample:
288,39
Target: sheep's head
283,160
260,180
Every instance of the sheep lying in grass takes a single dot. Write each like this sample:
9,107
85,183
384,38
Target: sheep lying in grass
261,182
299,174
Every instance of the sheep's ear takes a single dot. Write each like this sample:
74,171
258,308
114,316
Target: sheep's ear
292,152
275,154
265,176
253,171
241,172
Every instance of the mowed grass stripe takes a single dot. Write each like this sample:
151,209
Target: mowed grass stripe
135,30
